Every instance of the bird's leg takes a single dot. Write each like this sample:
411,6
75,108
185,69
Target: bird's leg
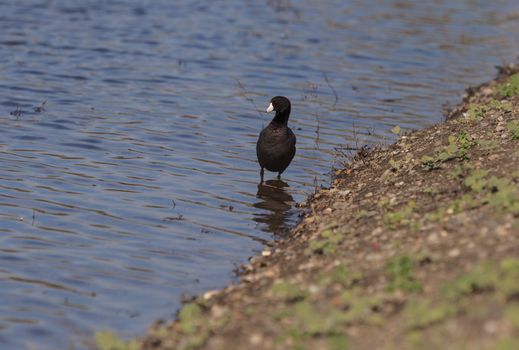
279,176
262,172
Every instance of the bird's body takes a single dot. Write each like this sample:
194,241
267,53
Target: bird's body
276,144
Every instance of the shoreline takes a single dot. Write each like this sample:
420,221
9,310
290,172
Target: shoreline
415,245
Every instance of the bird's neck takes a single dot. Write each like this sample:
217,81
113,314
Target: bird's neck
281,117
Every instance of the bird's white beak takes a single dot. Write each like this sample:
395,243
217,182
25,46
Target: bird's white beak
270,108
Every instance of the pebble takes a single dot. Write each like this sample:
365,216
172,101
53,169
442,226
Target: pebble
433,238
209,294
327,211
374,257
310,219
501,230
490,327
454,253
377,231
344,193
266,252
218,311
487,91
256,339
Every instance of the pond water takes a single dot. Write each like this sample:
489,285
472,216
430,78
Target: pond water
128,173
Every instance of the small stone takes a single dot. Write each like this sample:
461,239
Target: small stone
256,339
454,253
313,289
374,257
501,231
490,327
209,294
369,194
500,127
218,311
344,193
266,252
310,219
487,91
327,211
433,238
377,231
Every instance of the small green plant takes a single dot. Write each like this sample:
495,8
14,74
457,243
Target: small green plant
465,142
500,193
503,195
420,314
507,343
339,275
458,147
289,291
509,277
449,151
190,317
394,165
107,340
361,214
513,127
501,106
487,145
400,273
327,243
479,279
429,163
512,314
437,215
477,181
392,219
510,88
501,278
397,130
476,111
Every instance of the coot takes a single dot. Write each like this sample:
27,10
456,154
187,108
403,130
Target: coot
276,143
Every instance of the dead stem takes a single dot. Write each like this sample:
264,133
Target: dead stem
331,88
245,94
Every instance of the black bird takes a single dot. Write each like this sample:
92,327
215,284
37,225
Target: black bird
276,143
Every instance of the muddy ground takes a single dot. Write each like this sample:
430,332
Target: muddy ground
415,246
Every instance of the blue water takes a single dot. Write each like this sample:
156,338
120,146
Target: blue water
136,181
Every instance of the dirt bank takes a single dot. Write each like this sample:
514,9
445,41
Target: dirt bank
415,246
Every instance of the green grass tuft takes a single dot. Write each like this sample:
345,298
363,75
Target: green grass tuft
400,273
510,88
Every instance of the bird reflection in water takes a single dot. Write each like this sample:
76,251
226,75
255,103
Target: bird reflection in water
276,204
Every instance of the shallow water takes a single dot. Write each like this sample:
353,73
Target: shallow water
138,182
